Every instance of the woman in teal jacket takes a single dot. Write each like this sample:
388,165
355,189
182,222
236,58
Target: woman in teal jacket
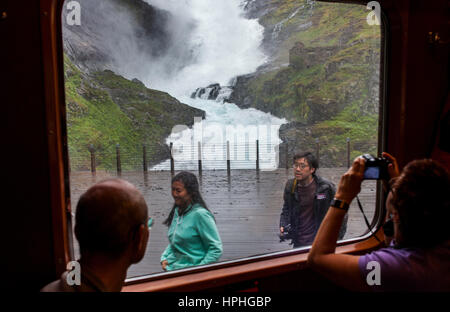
193,235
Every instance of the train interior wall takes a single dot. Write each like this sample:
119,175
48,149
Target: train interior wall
416,88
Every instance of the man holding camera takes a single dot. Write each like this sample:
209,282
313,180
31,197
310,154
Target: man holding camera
307,198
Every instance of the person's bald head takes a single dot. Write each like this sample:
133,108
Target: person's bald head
108,215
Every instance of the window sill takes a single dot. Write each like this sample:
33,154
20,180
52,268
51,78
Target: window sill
198,281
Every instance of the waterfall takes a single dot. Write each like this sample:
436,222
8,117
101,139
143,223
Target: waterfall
224,44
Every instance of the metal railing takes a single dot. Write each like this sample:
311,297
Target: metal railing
229,156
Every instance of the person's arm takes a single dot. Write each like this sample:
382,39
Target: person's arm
168,251
343,270
210,237
343,227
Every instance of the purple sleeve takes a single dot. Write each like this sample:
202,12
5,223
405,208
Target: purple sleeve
386,269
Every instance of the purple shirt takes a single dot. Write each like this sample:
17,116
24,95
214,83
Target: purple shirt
306,225
408,269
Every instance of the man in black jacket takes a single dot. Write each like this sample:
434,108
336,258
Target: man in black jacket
307,198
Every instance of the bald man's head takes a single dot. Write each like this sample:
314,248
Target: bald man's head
108,214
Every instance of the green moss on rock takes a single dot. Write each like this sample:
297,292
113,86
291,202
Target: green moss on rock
105,110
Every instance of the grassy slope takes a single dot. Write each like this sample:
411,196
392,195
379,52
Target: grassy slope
105,109
93,118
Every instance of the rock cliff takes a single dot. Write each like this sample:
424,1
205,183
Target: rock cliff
104,108
323,76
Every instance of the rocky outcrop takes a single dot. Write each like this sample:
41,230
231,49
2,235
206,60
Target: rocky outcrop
214,92
302,58
257,8
121,35
211,92
241,95
108,29
297,137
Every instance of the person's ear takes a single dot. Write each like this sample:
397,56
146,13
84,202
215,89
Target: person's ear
140,243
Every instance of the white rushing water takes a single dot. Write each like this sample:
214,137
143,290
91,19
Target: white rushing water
224,44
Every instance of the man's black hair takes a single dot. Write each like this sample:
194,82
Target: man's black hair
310,159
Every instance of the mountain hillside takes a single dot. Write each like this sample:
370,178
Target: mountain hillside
323,76
105,109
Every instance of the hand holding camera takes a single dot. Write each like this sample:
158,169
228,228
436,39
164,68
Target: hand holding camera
365,167
350,183
376,168
392,166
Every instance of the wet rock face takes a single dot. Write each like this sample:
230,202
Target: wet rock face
211,92
214,92
298,137
108,29
257,8
301,58
240,95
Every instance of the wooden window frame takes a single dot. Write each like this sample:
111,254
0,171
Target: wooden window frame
192,279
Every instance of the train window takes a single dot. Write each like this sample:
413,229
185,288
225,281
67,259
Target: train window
229,91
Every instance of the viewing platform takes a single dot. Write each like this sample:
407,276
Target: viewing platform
246,206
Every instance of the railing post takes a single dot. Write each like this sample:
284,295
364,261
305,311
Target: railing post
228,159
119,165
348,152
144,157
92,151
287,156
172,164
199,158
257,155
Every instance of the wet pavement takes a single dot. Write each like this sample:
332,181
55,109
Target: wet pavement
246,206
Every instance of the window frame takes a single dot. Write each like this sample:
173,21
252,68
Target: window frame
195,278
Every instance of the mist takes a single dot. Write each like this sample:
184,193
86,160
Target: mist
222,44
170,45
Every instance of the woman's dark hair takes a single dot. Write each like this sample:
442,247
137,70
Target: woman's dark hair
421,197
190,183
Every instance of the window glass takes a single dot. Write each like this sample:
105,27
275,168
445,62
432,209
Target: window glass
229,91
